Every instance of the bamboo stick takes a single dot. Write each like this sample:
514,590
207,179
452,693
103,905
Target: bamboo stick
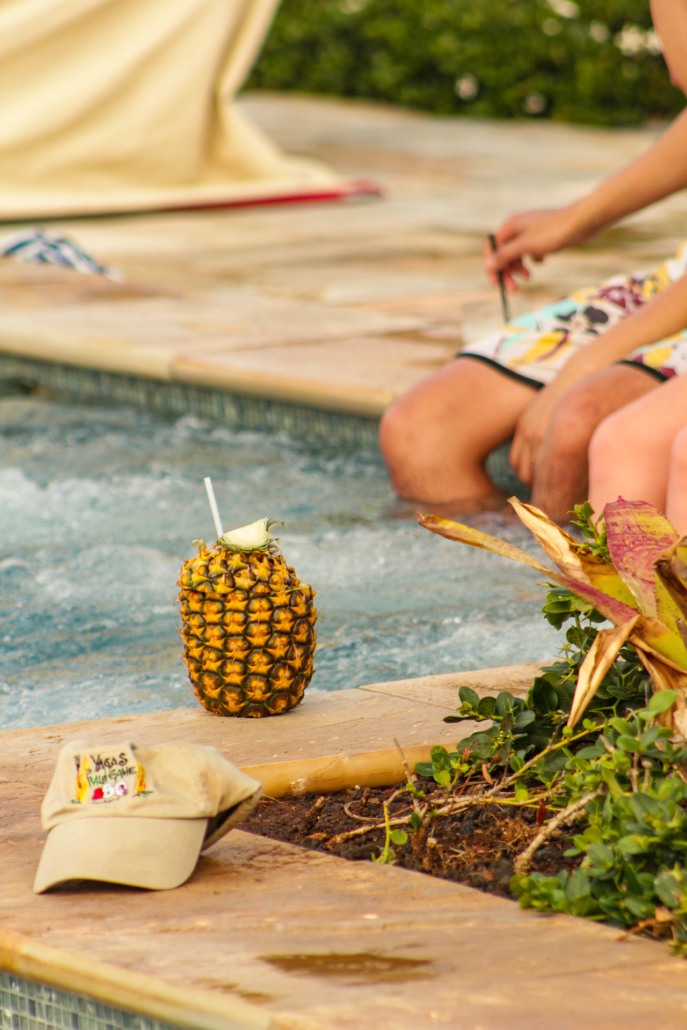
382,768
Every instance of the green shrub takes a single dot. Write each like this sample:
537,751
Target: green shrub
589,61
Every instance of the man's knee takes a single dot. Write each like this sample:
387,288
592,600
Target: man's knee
586,407
398,436
574,422
408,446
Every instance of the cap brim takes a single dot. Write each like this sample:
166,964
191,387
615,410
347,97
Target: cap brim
223,822
156,854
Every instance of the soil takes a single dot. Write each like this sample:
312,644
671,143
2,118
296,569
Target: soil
476,847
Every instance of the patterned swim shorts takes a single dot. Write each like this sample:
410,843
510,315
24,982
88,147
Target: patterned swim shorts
535,347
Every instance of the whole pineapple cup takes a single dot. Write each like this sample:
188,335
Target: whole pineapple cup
248,623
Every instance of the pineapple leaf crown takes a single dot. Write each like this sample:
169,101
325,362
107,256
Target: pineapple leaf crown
254,537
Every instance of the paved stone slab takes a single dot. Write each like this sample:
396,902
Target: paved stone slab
370,371
146,334
216,294
442,690
344,723
268,935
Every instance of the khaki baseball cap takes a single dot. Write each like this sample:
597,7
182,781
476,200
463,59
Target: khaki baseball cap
135,815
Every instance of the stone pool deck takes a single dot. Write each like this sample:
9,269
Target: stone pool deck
339,306
266,935
335,307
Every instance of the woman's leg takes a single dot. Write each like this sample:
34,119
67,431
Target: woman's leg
630,452
436,438
676,500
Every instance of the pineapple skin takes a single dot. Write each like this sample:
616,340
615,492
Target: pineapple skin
248,627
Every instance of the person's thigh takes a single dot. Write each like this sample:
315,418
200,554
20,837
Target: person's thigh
630,452
676,500
436,437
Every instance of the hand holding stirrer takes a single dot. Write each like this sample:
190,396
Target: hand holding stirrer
502,285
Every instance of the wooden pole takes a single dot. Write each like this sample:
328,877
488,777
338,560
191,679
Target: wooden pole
382,768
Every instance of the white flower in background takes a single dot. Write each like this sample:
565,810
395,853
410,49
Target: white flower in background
466,87
598,31
352,6
564,8
632,40
535,103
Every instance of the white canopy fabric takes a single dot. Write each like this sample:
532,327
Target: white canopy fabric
129,105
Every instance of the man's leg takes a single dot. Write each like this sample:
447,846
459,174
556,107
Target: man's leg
561,477
436,438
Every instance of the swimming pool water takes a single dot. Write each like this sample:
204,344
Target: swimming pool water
99,507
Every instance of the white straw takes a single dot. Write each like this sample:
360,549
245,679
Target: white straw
213,506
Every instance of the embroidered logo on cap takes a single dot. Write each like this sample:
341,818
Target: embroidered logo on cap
105,777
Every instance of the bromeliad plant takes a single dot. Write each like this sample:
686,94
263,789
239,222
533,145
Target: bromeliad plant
596,749
631,568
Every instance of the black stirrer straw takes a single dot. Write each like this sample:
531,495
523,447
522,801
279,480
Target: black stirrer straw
502,285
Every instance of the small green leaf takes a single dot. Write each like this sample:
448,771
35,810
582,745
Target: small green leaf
601,856
398,837
524,719
468,696
643,806
551,764
669,889
544,696
592,751
651,735
506,703
661,701
486,706
641,908
611,781
634,844
578,886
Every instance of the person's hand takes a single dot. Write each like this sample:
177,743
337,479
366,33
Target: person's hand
528,235
530,432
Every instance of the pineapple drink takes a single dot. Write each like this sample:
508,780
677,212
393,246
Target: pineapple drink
247,624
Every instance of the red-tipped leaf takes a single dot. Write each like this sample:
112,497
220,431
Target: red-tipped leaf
636,535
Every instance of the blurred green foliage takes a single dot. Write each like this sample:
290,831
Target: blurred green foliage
588,61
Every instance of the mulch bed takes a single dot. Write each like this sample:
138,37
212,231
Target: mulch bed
476,847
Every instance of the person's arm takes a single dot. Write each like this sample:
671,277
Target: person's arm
655,175
659,318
